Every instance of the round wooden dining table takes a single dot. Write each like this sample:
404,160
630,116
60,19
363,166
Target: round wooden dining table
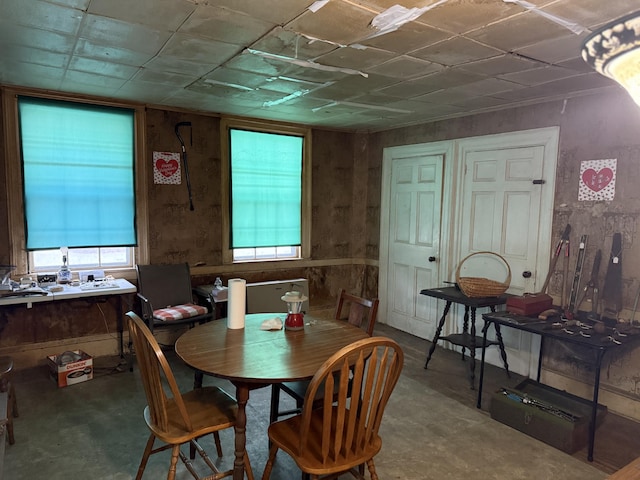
251,357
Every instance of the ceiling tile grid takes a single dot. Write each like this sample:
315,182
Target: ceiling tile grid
348,64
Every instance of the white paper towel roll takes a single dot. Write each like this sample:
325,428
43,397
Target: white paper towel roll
236,303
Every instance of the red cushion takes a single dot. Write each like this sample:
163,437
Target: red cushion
178,312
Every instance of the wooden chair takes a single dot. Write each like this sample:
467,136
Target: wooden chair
362,313
177,418
6,385
166,296
341,436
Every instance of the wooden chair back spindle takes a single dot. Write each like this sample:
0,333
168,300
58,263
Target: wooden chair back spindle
357,383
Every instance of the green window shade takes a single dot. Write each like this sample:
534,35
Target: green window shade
78,173
266,189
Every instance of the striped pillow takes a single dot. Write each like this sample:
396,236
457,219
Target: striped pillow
178,312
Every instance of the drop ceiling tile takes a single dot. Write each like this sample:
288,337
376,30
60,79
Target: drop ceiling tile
356,58
88,49
352,27
167,14
12,35
481,103
98,67
558,88
167,63
377,99
279,12
246,80
199,50
90,83
37,76
455,51
272,67
554,50
153,92
590,13
36,56
486,86
164,78
43,15
79,4
352,86
291,44
499,65
460,16
119,34
409,37
577,64
536,76
225,25
405,67
518,31
436,81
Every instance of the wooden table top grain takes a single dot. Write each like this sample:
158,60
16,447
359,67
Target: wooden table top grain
260,356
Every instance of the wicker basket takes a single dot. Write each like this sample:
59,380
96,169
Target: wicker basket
477,287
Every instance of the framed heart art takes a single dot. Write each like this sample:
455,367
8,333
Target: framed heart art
597,180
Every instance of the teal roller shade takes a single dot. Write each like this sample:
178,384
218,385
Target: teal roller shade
266,189
78,173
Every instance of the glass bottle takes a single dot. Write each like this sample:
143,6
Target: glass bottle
64,274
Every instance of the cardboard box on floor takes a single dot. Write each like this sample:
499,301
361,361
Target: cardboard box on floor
66,373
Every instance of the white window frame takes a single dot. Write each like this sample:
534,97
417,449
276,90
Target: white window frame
227,123
18,252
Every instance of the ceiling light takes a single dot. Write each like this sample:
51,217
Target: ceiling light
614,51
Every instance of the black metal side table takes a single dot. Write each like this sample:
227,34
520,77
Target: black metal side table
468,338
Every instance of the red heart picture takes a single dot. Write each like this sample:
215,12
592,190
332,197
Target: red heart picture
596,181
167,168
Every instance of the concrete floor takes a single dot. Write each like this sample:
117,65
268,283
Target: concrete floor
431,429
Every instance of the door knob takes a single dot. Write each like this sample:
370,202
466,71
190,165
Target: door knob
526,274
432,259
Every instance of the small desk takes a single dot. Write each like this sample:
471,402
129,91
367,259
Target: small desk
250,356
120,288
466,339
599,343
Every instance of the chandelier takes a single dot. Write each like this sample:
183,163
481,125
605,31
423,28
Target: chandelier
614,51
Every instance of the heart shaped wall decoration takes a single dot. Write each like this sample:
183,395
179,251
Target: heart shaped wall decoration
597,179
166,168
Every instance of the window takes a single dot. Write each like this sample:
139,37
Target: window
266,185
74,183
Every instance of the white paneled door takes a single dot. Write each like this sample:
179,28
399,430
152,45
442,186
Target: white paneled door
414,242
445,200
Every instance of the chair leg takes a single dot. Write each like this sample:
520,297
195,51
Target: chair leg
10,416
145,456
269,465
275,402
175,454
216,438
198,377
372,469
247,466
13,400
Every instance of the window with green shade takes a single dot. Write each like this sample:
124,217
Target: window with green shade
268,190
78,174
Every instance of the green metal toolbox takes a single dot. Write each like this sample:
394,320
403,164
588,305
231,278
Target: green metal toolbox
553,416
